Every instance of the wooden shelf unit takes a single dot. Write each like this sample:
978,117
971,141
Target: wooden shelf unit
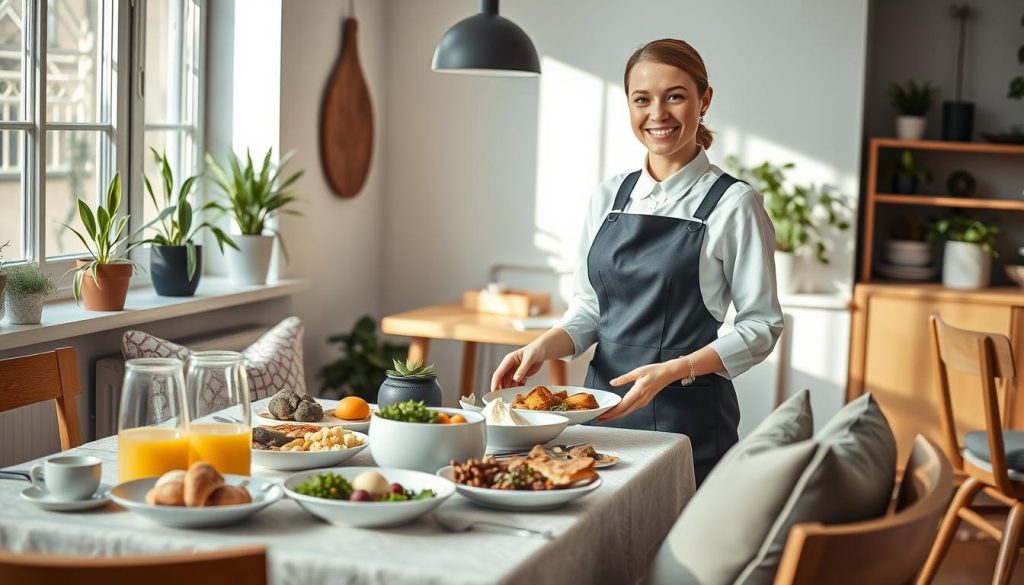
873,198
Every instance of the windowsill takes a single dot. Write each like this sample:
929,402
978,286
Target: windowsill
63,319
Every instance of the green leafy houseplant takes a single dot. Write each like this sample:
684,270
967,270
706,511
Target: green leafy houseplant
907,174
961,228
254,196
27,280
912,98
175,225
799,213
363,363
106,233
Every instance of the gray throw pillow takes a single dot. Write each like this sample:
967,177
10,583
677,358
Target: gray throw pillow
735,527
715,537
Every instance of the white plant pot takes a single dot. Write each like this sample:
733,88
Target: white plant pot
787,273
24,309
966,266
910,127
250,263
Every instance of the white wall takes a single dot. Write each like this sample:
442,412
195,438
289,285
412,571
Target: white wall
336,243
485,170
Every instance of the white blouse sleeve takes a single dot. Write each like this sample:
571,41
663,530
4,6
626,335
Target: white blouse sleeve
581,318
748,263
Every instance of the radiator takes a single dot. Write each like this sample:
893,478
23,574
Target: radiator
31,432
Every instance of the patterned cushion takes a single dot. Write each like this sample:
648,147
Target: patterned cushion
272,363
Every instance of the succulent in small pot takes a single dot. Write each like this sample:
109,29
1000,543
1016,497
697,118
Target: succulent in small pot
27,288
101,282
175,261
912,100
410,380
253,197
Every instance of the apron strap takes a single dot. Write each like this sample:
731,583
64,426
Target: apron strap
720,186
625,190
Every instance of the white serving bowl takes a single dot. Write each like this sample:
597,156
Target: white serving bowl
543,427
908,258
605,401
910,246
424,446
522,500
372,514
131,496
298,460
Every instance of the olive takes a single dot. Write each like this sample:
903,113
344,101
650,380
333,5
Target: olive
396,488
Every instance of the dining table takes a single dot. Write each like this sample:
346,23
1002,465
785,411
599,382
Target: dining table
608,536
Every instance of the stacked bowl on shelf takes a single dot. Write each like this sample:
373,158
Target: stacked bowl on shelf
908,260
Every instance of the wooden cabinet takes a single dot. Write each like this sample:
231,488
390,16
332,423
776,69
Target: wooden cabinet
890,353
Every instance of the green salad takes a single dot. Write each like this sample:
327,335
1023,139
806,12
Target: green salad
335,487
414,411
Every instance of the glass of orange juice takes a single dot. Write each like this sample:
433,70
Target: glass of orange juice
153,419
218,391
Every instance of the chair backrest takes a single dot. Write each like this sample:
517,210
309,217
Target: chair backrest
239,566
884,551
45,376
986,356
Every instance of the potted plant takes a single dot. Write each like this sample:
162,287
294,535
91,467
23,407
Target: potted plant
175,261
907,175
3,278
362,367
253,197
800,215
410,381
101,282
27,288
968,252
912,101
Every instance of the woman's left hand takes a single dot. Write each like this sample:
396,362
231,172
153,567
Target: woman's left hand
647,382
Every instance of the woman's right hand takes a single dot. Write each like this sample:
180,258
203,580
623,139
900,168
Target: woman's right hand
518,366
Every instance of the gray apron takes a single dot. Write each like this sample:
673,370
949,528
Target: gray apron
645,270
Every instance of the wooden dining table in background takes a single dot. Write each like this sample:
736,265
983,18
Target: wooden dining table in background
452,321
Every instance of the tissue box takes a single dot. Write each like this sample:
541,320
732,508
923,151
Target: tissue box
514,303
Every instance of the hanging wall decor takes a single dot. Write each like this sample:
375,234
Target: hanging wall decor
346,120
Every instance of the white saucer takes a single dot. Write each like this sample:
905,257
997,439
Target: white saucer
46,501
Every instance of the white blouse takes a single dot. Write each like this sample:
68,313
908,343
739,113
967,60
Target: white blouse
736,259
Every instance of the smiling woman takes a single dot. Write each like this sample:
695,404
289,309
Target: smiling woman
669,248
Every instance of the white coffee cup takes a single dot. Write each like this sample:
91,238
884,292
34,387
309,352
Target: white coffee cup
68,477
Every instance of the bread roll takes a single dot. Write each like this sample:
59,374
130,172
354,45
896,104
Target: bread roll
201,481
229,495
169,490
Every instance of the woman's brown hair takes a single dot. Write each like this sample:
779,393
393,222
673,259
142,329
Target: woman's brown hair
681,55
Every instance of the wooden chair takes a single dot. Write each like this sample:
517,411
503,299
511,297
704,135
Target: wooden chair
864,552
239,566
45,376
987,356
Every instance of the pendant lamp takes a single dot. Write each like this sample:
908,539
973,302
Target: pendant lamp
486,44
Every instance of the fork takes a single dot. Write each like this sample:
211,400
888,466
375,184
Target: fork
488,526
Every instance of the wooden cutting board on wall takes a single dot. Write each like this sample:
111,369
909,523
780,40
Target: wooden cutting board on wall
346,121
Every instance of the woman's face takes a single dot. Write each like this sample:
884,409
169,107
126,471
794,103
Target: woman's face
664,108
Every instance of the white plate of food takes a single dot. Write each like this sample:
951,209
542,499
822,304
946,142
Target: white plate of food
575,403
531,483
331,495
294,447
131,496
354,411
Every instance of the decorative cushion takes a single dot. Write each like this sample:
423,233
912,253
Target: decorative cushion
1013,444
735,527
272,363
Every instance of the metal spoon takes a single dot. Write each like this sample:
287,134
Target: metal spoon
488,526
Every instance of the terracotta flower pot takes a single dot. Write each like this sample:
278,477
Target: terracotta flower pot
111,290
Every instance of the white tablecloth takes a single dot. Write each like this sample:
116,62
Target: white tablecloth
609,536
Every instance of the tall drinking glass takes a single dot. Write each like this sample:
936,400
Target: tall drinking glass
218,405
153,420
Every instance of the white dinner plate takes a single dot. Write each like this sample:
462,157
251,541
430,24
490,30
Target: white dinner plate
299,460
605,401
47,501
907,272
520,500
372,514
131,496
329,420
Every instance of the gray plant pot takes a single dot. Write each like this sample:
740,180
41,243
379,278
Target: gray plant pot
395,390
24,309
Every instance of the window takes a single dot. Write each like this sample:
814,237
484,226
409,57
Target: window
119,76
